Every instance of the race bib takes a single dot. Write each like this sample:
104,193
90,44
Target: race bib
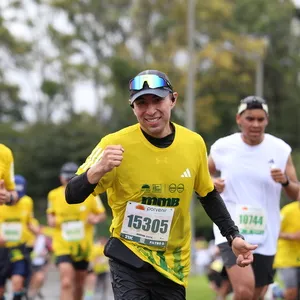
73,231
251,220
146,224
11,231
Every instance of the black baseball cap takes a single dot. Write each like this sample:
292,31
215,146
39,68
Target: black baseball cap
68,170
143,83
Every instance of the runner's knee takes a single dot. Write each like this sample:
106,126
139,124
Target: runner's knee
39,276
66,283
243,292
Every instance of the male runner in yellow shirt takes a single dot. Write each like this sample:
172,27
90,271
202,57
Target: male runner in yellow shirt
8,196
32,229
150,171
15,222
21,188
73,234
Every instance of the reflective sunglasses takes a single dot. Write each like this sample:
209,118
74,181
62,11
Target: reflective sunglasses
252,102
253,99
153,82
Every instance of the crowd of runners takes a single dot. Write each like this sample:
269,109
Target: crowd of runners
150,171
29,248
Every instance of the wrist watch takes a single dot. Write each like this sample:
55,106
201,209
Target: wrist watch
287,181
232,236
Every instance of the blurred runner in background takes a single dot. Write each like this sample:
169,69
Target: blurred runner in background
40,257
21,188
16,222
73,234
97,281
287,259
255,167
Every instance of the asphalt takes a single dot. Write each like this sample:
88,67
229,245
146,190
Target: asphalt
50,290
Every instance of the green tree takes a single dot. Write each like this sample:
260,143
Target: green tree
98,27
42,148
12,51
281,61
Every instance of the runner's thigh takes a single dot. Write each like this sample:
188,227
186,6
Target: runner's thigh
127,283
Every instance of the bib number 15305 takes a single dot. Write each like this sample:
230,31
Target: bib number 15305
147,224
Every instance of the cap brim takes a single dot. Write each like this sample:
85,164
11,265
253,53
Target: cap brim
243,106
158,92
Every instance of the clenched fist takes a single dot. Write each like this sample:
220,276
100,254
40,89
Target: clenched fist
111,157
219,184
278,175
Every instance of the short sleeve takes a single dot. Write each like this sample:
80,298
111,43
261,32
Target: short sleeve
216,153
97,206
283,213
203,182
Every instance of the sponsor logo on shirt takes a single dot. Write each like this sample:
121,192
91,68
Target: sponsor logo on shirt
160,201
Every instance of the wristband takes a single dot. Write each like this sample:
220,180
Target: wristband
287,182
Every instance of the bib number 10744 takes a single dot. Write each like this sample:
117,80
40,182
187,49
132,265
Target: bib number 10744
250,219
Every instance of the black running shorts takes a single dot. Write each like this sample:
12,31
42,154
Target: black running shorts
143,284
262,265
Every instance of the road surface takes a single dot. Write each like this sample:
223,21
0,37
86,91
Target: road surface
50,291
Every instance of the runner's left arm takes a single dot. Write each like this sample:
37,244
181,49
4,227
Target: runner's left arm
215,208
288,179
292,189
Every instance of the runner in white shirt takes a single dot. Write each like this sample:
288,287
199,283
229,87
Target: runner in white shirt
253,167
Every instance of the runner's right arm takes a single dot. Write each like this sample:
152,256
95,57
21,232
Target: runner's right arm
81,186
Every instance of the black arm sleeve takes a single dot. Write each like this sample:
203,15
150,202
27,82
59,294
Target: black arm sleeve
215,208
78,189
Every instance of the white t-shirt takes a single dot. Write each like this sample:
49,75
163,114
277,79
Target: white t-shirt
251,195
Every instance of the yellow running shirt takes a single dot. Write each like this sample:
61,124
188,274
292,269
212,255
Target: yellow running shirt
29,235
7,167
13,223
150,195
288,252
72,234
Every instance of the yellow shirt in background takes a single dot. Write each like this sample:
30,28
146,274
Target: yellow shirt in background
72,234
29,235
47,231
98,260
7,167
13,223
288,252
